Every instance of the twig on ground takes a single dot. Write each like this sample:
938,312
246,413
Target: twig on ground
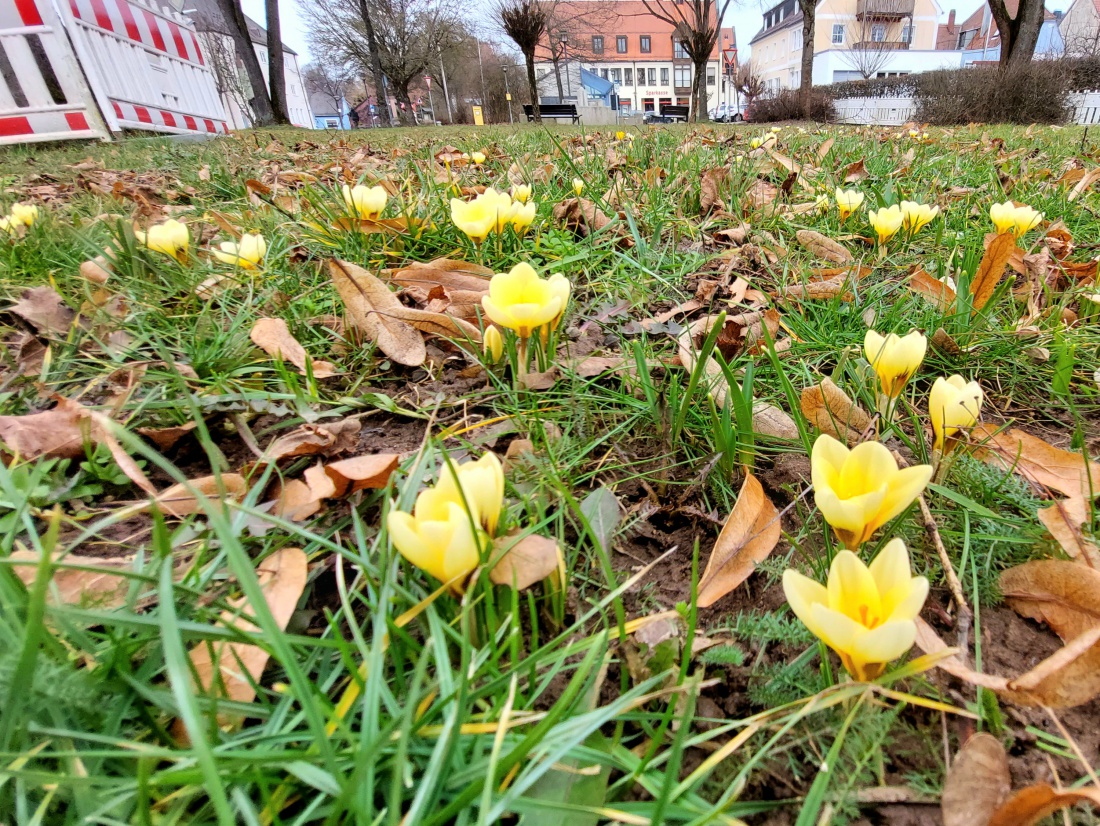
965,614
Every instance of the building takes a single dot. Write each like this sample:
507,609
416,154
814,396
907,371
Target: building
1080,28
329,112
852,39
980,41
621,42
231,77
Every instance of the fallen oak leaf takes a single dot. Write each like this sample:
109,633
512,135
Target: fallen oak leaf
748,537
272,335
823,246
231,670
525,561
977,783
186,498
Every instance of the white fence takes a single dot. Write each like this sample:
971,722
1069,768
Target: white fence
894,111
130,65
43,96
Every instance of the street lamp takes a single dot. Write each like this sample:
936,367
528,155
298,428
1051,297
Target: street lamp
565,59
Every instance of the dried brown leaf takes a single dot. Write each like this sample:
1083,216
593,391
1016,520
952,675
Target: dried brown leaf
748,537
1031,804
230,670
60,432
1038,461
377,313
1065,520
936,291
977,783
272,335
855,172
831,411
1064,595
103,587
184,499
524,561
709,189
992,269
359,472
823,246
45,311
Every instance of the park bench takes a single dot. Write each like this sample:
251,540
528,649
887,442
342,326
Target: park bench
553,110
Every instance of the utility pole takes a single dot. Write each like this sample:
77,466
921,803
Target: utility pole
431,103
446,94
481,66
508,95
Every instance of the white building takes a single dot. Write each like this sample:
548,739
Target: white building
229,71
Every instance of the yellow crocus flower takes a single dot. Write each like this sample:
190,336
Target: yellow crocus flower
578,187
523,216
560,286
1018,220
365,202
25,214
521,301
248,253
521,193
477,157
886,222
476,218
170,237
620,136
860,490
439,537
848,201
865,613
953,404
492,344
477,486
895,358
7,225
916,217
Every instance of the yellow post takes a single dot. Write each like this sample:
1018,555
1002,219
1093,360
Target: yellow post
479,119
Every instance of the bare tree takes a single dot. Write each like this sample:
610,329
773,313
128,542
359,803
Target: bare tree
276,74
222,57
806,76
1082,41
375,63
1019,34
569,26
408,36
231,22
875,34
748,82
524,21
697,24
331,81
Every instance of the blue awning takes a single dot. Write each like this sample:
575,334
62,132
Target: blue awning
595,85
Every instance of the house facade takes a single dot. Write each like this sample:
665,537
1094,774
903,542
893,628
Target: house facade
980,41
329,112
852,39
642,55
1079,28
233,84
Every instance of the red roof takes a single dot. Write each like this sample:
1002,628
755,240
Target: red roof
948,34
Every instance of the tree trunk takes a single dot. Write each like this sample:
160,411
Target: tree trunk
242,45
401,94
276,73
698,86
806,80
1019,35
557,76
382,103
532,85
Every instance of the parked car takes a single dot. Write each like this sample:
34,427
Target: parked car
729,113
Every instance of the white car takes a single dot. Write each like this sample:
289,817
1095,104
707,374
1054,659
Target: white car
727,113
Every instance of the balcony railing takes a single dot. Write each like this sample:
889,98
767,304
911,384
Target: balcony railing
885,9
880,46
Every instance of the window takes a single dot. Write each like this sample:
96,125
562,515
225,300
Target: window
878,33
838,32
597,44
616,76
652,77
664,76
907,33
629,79
645,44
682,76
678,50
620,44
710,77
603,73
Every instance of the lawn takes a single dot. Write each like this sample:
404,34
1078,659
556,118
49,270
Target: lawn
250,572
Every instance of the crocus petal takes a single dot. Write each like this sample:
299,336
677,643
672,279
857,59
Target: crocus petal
853,515
852,590
905,601
890,569
905,487
885,643
836,630
803,593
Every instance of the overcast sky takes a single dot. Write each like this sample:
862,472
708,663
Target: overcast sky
744,16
